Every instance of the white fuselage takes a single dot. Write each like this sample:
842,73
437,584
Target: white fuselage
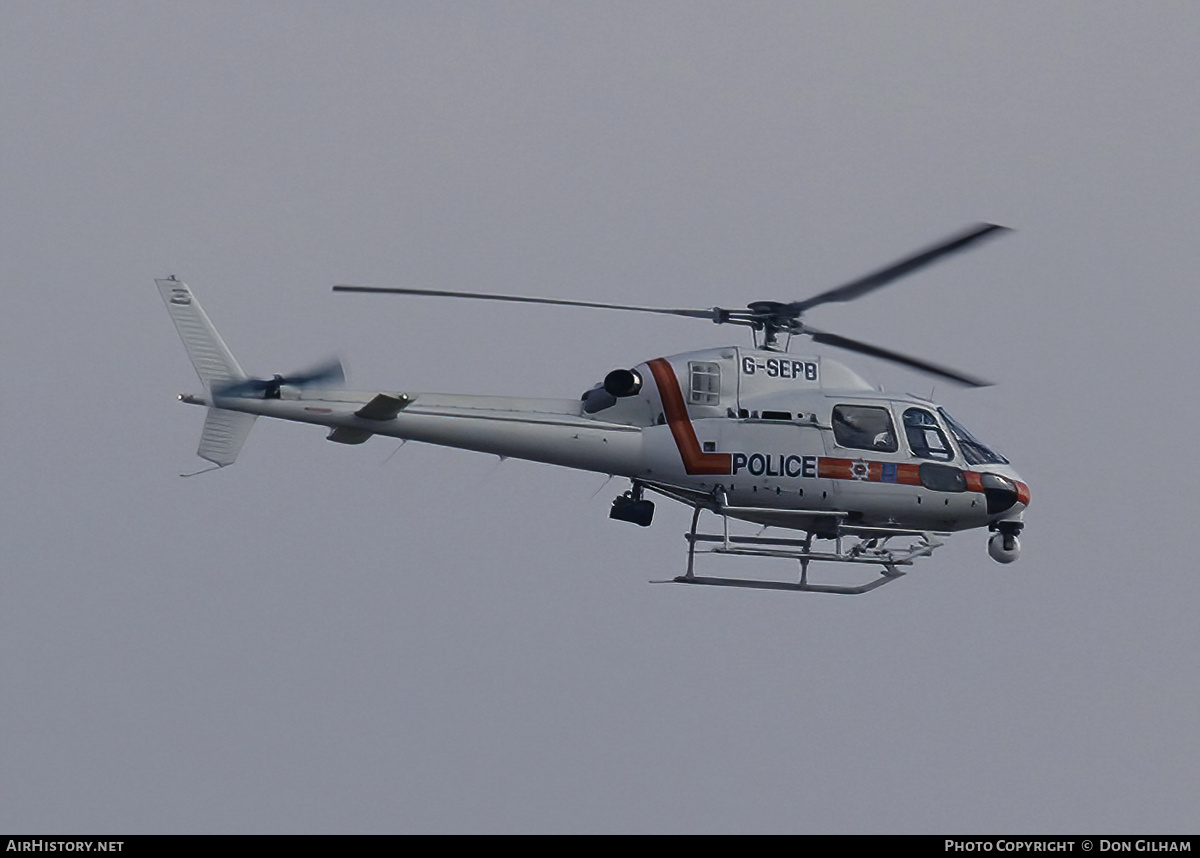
785,436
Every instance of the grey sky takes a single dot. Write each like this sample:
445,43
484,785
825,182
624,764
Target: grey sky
317,640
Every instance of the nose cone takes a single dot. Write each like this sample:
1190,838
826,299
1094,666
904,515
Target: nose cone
1003,492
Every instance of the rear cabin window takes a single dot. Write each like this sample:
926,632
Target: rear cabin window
864,427
705,383
925,438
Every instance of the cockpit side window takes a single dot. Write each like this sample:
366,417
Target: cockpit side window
925,438
864,427
705,383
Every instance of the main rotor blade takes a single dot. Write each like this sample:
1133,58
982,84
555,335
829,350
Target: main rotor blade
884,276
713,315
895,357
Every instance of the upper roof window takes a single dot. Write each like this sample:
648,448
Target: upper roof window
705,383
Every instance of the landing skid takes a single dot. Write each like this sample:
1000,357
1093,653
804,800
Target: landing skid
783,585
852,545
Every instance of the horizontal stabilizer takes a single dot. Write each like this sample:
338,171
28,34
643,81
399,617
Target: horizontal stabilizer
384,406
348,435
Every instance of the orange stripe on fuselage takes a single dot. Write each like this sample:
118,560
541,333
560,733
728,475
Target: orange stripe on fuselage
695,461
829,468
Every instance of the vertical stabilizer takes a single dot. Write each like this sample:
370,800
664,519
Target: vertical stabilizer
224,431
224,434
209,354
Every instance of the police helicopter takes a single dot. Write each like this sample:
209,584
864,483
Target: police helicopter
800,443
